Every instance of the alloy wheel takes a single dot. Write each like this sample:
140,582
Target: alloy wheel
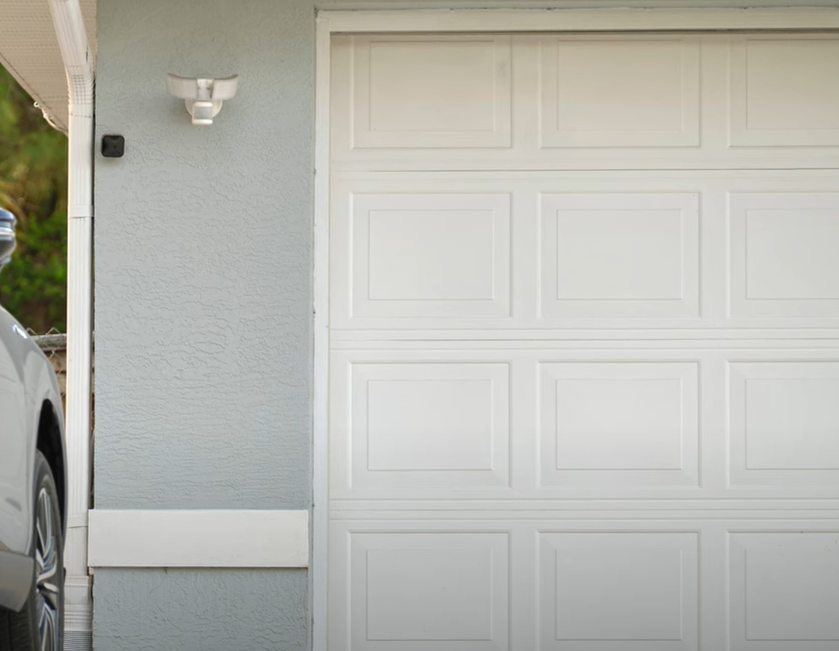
46,566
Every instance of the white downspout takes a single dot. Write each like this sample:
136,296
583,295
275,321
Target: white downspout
69,27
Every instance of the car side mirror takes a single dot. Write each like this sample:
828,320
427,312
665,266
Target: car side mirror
7,236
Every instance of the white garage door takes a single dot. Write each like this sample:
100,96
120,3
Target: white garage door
584,349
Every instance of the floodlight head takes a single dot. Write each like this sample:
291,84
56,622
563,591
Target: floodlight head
203,95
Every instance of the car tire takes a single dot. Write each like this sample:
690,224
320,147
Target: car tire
39,626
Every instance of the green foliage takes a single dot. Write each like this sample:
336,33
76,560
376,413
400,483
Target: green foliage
33,185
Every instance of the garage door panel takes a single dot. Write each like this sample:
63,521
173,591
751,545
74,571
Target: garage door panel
627,423
765,584
430,590
783,590
710,101
609,591
608,424
750,251
430,91
620,91
784,91
430,426
426,255
619,255
783,254
783,418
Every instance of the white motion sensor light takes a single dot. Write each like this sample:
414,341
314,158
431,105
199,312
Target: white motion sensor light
203,96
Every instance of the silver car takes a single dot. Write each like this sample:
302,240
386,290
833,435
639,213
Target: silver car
33,486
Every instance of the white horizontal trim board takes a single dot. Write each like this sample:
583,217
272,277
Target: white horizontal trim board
198,538
581,20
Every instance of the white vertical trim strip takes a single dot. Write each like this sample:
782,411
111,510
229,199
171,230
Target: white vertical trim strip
320,511
205,538
75,52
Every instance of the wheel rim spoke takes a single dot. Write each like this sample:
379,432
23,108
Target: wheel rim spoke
47,627
46,558
45,574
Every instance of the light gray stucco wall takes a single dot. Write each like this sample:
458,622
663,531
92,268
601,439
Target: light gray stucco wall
197,610
203,243
203,265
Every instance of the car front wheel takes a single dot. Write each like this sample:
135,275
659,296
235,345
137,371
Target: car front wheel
39,626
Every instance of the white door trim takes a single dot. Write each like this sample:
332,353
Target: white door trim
320,397
569,20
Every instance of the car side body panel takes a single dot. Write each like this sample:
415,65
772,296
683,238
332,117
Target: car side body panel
18,571
27,385
15,437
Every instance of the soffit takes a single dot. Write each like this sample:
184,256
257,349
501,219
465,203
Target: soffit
29,50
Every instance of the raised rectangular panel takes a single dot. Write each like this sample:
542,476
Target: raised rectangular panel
418,255
429,424
783,260
635,431
428,591
789,251
599,251
783,422
633,591
424,255
622,423
783,591
620,255
431,92
435,426
792,423
785,91
620,92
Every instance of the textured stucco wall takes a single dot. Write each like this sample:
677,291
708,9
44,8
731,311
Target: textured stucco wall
203,268
203,242
201,610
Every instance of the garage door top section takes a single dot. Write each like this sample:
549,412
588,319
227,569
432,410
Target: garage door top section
585,102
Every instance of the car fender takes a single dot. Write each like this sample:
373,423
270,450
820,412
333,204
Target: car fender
42,388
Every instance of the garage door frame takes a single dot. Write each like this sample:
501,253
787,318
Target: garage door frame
786,19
